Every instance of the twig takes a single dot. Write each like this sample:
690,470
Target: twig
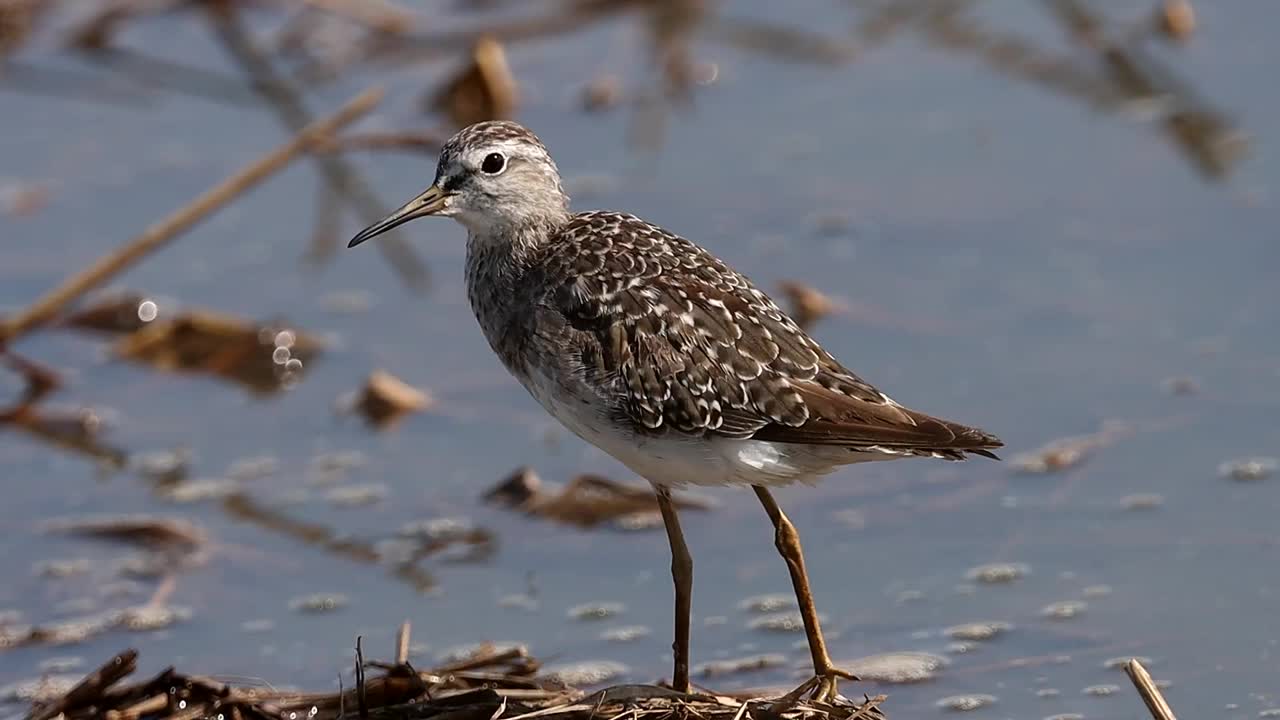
362,700
91,687
402,643
286,100
375,14
1151,695
156,236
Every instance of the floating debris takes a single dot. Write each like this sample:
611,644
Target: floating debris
519,601
152,617
262,358
966,703
46,688
115,313
586,501
258,626
333,467
484,89
1118,663
1101,690
1141,501
77,430
487,682
472,652
1181,386
587,672
61,664
770,603
356,495
738,666
997,573
1248,469
1046,693
626,633
253,468
163,467
144,530
977,631
897,667
1096,591
602,93
1176,19
909,596
199,490
808,305
441,528
638,521
1064,610
1066,453
22,199
62,568
386,398
596,611
319,603
81,629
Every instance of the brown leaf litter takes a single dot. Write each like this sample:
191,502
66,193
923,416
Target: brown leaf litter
586,501
386,398
491,684
484,89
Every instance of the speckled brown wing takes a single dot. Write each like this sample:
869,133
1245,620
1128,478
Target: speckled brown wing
683,343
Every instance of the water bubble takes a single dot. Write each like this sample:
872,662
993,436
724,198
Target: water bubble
148,310
596,611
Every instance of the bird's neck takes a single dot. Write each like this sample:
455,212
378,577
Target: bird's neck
497,265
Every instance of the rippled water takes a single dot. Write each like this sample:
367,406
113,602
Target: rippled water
1008,255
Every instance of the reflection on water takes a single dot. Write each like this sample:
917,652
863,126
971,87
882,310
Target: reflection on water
1046,218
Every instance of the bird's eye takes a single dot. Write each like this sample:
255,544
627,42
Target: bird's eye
493,164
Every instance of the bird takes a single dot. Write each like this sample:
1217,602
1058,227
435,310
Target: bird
656,351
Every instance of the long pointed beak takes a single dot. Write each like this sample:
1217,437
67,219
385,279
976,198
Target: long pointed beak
430,202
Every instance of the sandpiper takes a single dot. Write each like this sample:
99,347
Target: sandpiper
656,351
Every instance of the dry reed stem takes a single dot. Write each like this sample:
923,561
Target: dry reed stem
287,101
1151,694
378,15
164,231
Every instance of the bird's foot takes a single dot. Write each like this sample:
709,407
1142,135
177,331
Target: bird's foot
820,688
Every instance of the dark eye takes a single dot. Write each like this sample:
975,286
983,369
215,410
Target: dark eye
493,163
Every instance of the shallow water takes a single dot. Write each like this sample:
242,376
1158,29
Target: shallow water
1010,256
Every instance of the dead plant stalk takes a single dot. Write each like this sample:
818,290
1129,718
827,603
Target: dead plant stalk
167,229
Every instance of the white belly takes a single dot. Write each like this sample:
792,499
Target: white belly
673,459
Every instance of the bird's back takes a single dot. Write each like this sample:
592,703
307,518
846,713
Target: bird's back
658,338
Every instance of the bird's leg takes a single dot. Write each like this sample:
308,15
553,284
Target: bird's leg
788,542
682,574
